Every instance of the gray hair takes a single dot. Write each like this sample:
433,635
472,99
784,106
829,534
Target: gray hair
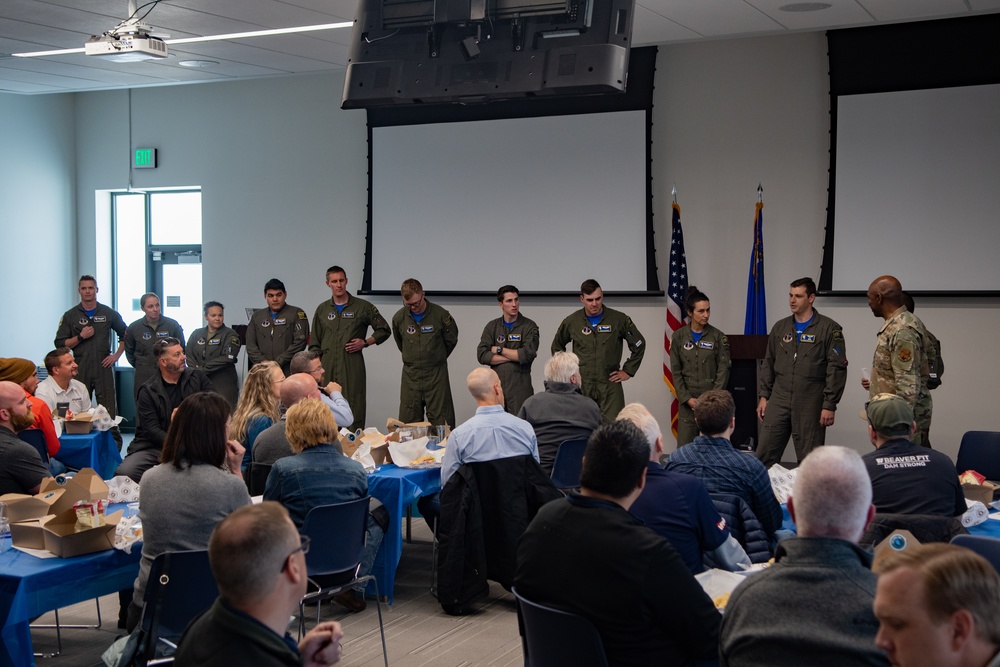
643,418
832,494
561,367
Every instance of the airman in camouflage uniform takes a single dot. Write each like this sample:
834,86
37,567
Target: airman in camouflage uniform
900,365
597,334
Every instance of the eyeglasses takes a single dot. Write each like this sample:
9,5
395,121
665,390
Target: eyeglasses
303,547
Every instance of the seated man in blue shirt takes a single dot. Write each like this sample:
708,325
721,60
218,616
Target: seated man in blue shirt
678,507
259,565
492,433
723,469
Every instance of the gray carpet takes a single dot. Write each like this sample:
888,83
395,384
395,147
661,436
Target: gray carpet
417,632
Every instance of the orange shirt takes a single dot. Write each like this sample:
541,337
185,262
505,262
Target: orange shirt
43,421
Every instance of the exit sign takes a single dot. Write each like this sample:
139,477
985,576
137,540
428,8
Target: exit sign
144,158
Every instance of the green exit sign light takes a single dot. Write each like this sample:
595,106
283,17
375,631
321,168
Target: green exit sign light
144,158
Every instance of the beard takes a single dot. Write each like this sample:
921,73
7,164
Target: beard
173,367
21,422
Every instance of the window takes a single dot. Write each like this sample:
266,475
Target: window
157,248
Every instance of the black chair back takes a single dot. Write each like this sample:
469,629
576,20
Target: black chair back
257,478
987,547
36,439
980,451
338,536
569,464
554,638
180,588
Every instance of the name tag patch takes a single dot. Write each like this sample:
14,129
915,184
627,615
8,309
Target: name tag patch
347,316
280,320
707,345
100,318
515,338
215,341
807,338
603,328
162,334
427,328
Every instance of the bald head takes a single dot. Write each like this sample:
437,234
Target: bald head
10,394
297,387
484,385
885,296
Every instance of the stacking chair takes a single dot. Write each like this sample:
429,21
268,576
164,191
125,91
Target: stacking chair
980,451
338,544
568,464
553,638
987,547
180,587
257,477
36,439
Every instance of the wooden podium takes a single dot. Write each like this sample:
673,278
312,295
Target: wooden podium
745,352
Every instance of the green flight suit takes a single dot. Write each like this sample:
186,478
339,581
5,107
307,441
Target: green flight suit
216,354
139,340
600,351
90,352
900,367
515,377
277,338
425,347
332,330
800,378
696,368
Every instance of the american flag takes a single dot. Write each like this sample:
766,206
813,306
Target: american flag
676,310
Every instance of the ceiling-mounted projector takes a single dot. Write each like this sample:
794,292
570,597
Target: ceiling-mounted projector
128,42
126,47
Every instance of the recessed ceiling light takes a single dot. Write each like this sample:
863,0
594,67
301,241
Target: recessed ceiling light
197,63
805,7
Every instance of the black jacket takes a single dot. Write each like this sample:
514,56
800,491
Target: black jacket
152,407
485,508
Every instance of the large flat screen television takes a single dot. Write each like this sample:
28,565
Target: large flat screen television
476,51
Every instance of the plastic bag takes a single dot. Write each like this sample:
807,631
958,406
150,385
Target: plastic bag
363,455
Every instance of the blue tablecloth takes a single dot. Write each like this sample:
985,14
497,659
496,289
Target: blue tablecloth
97,450
31,586
397,488
988,528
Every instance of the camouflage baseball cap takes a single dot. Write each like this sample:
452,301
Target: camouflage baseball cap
890,414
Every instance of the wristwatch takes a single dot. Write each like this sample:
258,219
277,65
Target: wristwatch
499,350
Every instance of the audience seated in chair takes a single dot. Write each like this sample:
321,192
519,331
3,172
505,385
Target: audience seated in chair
907,478
272,443
24,373
587,555
724,470
678,507
260,568
320,474
21,469
814,604
561,412
937,607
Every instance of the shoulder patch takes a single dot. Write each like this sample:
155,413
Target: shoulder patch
302,315
905,354
838,334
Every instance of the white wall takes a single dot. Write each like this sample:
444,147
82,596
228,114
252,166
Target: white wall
283,171
36,219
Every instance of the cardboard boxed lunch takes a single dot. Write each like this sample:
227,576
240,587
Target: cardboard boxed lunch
84,485
64,540
79,425
28,534
22,507
981,492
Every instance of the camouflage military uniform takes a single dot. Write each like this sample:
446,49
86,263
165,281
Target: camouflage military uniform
900,366
600,351
696,367
800,378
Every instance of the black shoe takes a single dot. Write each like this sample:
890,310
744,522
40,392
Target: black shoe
351,600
